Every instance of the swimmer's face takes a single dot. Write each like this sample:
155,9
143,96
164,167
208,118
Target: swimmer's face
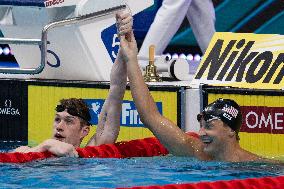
67,128
215,135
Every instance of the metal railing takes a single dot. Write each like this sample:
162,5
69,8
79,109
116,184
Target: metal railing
43,42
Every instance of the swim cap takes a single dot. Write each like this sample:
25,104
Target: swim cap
75,107
226,110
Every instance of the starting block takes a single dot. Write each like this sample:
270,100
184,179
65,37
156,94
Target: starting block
60,39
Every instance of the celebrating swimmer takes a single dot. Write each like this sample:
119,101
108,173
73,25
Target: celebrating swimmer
220,121
72,118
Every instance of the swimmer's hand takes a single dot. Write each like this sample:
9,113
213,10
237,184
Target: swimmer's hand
128,48
58,148
22,149
124,23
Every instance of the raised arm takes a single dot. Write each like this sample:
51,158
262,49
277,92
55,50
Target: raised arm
174,139
109,118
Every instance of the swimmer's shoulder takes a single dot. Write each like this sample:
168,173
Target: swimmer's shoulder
249,156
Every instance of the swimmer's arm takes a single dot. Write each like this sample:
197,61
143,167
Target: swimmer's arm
56,147
173,138
109,119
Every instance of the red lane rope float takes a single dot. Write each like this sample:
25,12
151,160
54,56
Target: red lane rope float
23,157
146,147
135,148
251,183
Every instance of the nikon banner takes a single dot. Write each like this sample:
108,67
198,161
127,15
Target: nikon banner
243,61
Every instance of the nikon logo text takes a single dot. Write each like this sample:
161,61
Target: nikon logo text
236,62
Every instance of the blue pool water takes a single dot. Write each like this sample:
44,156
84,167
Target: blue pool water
111,173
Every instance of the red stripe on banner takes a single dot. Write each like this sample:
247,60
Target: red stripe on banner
262,119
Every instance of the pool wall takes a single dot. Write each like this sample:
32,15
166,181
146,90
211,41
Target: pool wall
27,111
27,108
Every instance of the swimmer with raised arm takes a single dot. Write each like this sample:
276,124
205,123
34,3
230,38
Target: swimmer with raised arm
72,119
220,121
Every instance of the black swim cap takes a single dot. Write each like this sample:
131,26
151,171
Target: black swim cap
75,107
226,110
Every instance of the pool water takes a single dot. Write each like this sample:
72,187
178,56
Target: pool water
111,173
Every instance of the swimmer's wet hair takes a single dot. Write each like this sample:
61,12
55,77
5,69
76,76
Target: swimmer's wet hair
76,107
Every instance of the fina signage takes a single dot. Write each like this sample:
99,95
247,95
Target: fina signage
243,60
42,101
129,113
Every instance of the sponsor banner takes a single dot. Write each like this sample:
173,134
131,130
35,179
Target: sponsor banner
129,114
60,3
43,99
262,130
13,112
243,60
263,144
261,119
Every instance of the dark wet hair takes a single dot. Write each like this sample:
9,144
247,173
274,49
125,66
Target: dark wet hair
75,107
226,110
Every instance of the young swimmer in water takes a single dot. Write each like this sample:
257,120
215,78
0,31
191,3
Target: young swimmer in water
72,119
220,121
